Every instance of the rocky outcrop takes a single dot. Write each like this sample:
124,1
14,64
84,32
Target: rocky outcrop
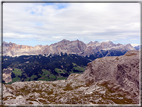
108,67
122,70
64,46
108,80
69,47
7,75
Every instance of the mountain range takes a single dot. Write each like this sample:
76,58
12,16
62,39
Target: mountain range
70,47
137,47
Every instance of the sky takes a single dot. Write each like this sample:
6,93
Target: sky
47,23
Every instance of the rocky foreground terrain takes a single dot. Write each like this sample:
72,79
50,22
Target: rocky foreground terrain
108,80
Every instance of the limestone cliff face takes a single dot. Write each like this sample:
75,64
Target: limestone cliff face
108,80
110,67
122,70
69,47
64,46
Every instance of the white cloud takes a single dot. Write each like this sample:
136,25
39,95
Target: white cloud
86,21
134,45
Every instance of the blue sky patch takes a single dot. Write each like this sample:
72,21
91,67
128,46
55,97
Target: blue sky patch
61,6
57,5
46,4
38,24
32,12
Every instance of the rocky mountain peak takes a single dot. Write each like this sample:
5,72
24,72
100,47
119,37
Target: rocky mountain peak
90,42
107,44
96,42
118,44
138,47
129,47
64,40
78,41
110,42
93,44
128,44
5,42
64,46
10,44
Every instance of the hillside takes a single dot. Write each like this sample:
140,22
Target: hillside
39,67
48,66
108,80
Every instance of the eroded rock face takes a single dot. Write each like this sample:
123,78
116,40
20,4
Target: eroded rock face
7,75
122,70
109,80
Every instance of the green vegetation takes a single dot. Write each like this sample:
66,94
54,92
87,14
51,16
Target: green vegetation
33,77
61,78
17,72
44,79
52,77
45,72
74,64
79,68
15,79
44,68
59,71
27,79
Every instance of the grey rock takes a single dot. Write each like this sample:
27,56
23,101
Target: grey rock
7,75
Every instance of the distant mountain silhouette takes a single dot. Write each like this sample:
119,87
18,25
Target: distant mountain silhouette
137,47
69,47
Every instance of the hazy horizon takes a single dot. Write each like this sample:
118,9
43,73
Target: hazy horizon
47,23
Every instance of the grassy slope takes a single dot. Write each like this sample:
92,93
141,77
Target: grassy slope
45,68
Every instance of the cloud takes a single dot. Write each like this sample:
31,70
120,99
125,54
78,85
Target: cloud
135,45
84,21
